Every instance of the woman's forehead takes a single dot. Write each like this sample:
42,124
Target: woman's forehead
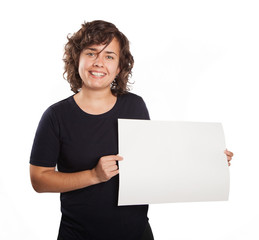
112,46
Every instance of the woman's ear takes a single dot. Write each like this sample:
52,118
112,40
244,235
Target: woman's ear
118,71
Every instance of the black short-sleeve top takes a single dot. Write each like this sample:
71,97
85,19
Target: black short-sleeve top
73,140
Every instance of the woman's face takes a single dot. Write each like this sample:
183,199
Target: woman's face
98,68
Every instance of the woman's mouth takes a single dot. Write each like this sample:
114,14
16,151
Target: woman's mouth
97,74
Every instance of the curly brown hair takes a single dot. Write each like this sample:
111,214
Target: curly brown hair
96,33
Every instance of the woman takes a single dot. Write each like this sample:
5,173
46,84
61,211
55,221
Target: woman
79,136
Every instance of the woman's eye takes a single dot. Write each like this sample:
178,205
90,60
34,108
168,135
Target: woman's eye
109,57
90,54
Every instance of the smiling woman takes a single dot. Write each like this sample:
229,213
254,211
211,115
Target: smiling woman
92,39
99,65
79,135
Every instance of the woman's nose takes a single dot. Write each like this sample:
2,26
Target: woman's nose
98,62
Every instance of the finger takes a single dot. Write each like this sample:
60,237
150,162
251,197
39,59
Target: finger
112,158
229,158
119,158
228,153
113,168
114,173
111,163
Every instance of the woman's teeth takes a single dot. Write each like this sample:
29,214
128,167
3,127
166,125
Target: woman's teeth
98,74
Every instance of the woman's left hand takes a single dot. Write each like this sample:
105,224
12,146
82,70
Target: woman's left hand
229,156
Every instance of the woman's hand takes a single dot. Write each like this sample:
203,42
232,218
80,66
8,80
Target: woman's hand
106,168
229,156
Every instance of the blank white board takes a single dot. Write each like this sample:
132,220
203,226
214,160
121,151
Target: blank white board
166,161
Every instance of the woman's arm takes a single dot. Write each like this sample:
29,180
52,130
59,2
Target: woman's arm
47,179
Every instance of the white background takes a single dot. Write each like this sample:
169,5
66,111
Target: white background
194,61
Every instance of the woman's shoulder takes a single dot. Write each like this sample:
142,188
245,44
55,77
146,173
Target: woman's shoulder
132,97
134,106
62,103
59,107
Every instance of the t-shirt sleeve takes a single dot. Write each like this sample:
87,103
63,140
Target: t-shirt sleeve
143,111
46,145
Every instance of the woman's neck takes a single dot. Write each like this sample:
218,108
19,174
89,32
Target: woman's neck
92,95
95,102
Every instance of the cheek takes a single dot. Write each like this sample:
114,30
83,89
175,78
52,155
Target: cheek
80,71
82,66
115,69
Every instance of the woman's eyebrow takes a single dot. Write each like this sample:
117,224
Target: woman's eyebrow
110,52
95,50
92,49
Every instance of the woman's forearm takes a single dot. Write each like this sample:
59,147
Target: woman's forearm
49,180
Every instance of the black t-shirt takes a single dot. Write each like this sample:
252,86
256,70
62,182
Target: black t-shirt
74,141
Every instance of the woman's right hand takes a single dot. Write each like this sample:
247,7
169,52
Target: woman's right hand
106,168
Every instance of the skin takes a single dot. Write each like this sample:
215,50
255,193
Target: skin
229,156
95,97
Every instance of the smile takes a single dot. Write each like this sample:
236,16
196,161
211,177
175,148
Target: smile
98,74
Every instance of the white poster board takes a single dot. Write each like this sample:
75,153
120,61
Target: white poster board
166,161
